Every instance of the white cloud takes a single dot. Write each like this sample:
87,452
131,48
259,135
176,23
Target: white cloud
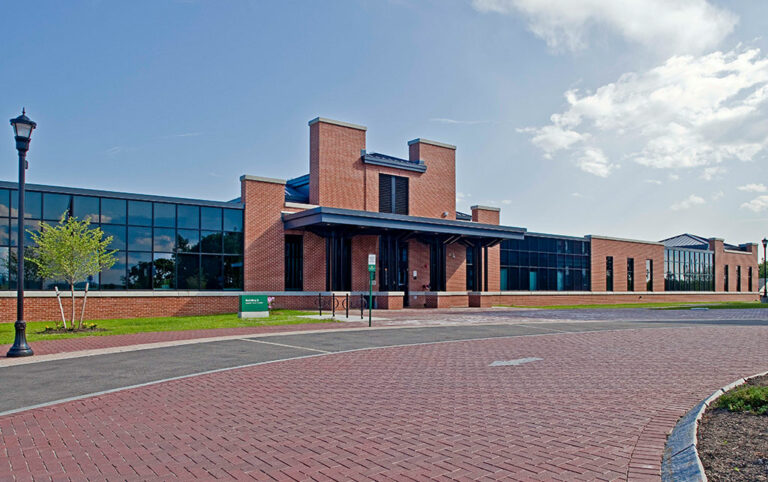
753,188
653,181
687,203
718,195
690,112
444,120
673,26
673,177
759,204
710,173
593,161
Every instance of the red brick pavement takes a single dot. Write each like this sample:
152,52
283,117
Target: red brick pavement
48,347
597,407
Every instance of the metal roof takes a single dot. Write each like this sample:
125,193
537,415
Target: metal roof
390,161
690,241
234,204
324,217
297,189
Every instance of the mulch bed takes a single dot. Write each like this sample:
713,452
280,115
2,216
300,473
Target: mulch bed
734,446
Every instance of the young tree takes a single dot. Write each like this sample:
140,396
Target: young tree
73,251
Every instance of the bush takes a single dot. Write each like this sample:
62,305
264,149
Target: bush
746,398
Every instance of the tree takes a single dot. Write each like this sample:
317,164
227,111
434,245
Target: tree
72,251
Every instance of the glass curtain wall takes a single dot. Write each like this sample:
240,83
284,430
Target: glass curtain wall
159,245
688,270
541,263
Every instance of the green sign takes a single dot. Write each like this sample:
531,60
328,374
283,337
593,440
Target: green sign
371,268
251,303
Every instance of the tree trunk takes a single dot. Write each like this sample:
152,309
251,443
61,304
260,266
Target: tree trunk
85,298
72,288
61,307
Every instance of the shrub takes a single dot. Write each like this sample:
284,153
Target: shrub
747,398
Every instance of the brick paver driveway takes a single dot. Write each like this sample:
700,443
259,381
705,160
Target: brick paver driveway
596,406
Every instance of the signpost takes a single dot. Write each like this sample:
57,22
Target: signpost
253,306
372,274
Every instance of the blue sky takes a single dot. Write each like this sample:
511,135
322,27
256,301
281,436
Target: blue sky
573,116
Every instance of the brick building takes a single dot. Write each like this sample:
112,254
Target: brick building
297,238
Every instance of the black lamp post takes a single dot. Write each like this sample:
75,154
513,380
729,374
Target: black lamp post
22,130
765,270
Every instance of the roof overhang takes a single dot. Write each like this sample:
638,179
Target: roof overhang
324,219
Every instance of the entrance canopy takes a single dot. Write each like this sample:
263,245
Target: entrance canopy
324,221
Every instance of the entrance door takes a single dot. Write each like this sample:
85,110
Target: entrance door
393,265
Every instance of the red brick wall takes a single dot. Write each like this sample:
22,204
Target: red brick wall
452,301
621,250
314,262
264,262
418,260
100,308
434,191
733,260
485,301
485,216
456,267
336,170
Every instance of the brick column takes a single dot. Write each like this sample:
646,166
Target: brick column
717,247
264,199
490,215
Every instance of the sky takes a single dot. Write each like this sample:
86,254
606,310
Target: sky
637,119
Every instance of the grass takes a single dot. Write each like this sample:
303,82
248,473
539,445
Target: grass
747,398
659,306
142,325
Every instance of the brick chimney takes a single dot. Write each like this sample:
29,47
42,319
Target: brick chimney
336,169
486,214
434,194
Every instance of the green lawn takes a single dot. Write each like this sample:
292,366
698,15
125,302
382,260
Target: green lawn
661,306
179,323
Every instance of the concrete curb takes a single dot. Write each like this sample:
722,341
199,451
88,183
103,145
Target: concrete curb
681,458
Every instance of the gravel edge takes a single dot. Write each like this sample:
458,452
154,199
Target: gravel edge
681,458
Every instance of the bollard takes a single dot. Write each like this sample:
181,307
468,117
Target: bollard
333,305
362,306
346,305
320,303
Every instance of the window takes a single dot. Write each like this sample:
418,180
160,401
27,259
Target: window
294,263
159,245
688,270
749,273
649,275
738,278
609,273
393,194
557,264
630,274
725,279
471,270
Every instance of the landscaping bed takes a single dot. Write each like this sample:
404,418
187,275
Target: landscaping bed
733,434
42,330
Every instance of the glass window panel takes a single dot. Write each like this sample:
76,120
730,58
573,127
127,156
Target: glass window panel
233,220
164,239
140,213
5,274
189,217
33,204
139,239
233,272
29,225
113,211
233,243
164,271
210,242
5,232
514,258
114,277
188,240
139,271
31,279
211,278
118,235
85,207
5,202
188,266
55,206
210,218
165,215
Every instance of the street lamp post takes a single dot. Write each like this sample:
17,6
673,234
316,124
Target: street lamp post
765,269
22,130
